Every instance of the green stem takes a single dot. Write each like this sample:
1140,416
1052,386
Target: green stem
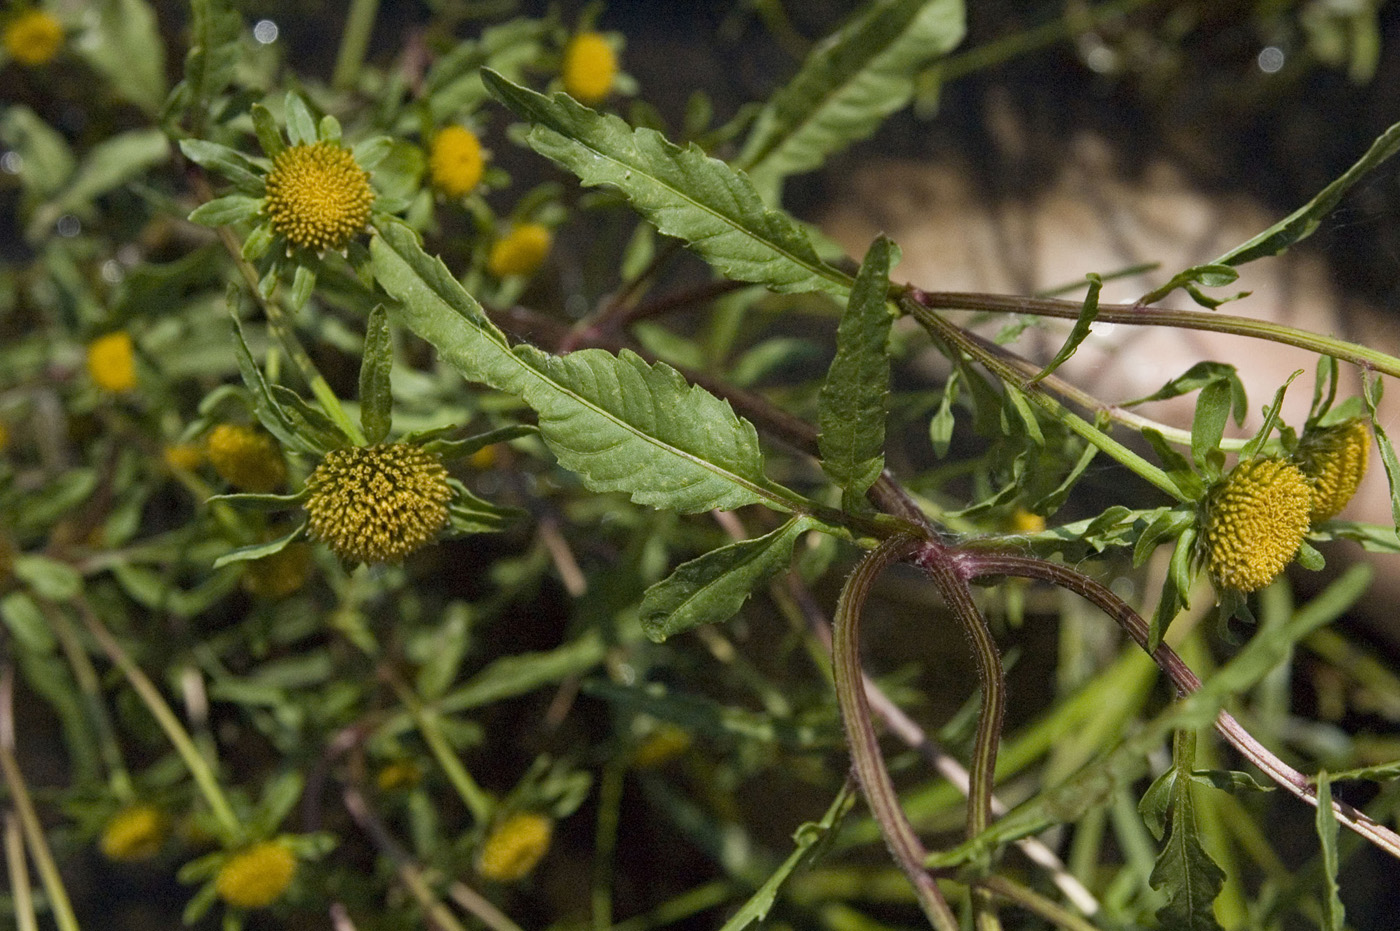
473,796
88,683
957,339
150,696
869,766
1035,903
605,843
59,902
354,42
1135,315
22,896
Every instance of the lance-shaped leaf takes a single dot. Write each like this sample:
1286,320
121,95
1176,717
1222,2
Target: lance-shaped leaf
715,586
683,191
376,399
849,83
619,422
852,408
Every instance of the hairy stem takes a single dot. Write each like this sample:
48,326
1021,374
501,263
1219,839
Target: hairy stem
869,766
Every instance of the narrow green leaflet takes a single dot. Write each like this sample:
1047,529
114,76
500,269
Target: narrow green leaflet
620,422
810,838
1333,914
376,401
853,398
1079,333
1371,388
259,550
214,52
1300,224
683,191
713,587
849,83
1184,871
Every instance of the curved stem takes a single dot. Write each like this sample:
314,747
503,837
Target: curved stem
1155,316
869,766
977,565
937,562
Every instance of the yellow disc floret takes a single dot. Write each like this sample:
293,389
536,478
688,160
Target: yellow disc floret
520,251
378,503
33,38
589,68
1334,459
246,458
456,162
318,196
514,847
111,362
1255,519
256,876
134,834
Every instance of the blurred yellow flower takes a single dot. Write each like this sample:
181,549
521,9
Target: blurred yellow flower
520,251
514,847
280,574
134,834
590,66
246,458
256,876
456,161
33,38
111,362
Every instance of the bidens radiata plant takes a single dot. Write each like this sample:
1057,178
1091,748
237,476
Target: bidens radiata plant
392,543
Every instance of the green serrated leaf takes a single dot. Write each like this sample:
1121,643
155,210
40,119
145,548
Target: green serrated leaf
376,397
713,587
1082,325
621,423
1184,871
1156,803
853,398
849,84
684,192
1333,914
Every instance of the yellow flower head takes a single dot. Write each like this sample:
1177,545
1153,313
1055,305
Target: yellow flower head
256,876
1334,459
520,251
318,196
456,161
1023,521
514,847
1255,519
378,503
184,456
661,747
246,458
33,38
589,68
111,362
134,834
4,436
280,574
400,774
